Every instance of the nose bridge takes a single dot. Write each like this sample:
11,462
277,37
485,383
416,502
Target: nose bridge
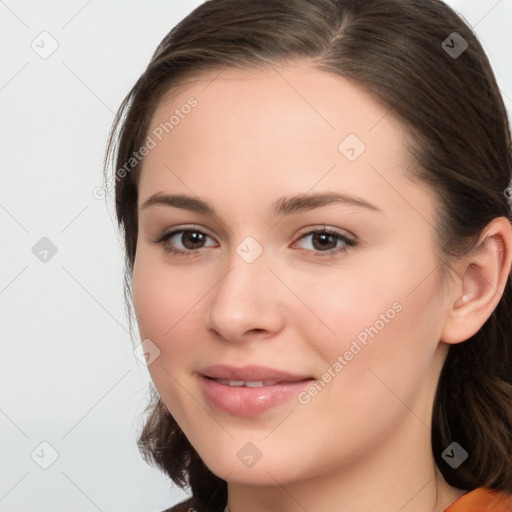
244,299
247,265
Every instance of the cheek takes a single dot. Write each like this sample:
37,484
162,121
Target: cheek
154,307
368,318
166,303
378,365
162,295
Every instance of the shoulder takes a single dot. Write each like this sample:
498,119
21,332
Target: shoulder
184,506
482,499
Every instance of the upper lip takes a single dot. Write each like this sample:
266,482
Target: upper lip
250,373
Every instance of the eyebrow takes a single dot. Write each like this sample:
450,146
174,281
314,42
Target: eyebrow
283,206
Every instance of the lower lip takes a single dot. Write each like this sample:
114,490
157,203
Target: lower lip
245,401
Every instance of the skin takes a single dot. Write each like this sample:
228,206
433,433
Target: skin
363,443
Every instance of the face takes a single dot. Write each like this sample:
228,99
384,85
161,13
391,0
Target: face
286,274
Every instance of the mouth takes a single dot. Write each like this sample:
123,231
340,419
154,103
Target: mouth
247,384
250,390
251,373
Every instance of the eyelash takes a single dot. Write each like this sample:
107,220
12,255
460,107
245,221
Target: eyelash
347,242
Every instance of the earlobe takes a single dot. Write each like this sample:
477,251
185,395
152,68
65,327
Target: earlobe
484,275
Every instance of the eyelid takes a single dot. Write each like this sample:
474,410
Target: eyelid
348,238
184,227
327,229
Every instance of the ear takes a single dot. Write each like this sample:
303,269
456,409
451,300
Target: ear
482,277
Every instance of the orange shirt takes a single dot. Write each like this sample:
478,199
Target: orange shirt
482,499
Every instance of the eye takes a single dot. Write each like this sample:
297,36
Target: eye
185,242
325,242
320,242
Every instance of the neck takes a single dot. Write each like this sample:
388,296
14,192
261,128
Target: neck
397,475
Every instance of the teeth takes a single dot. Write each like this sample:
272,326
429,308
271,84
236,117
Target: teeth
255,384
249,384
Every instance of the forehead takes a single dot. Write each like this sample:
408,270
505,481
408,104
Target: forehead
275,98
283,127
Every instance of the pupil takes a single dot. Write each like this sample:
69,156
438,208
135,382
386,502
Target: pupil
191,239
324,240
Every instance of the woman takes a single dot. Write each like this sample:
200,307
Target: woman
314,201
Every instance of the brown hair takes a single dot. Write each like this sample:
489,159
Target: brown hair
451,106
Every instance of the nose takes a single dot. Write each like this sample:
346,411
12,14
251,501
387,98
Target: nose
246,302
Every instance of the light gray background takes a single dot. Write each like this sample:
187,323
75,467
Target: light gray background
68,375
